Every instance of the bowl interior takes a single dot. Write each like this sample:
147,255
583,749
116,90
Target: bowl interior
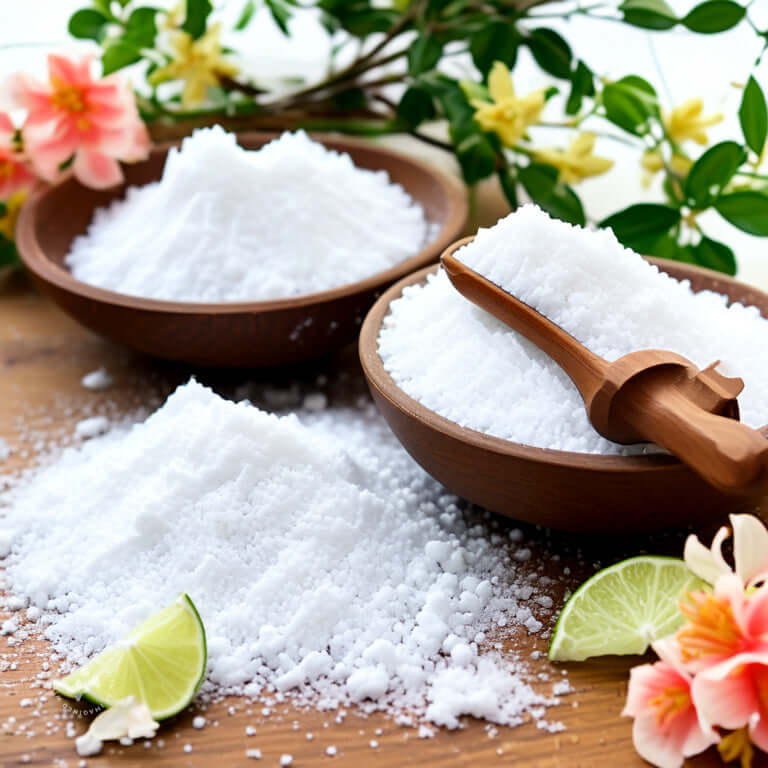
65,211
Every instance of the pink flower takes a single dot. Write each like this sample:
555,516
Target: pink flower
15,175
666,728
93,123
727,640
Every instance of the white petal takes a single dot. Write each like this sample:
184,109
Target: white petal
702,561
750,546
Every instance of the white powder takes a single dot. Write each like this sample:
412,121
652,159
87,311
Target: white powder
91,427
5,450
97,380
358,572
225,224
485,376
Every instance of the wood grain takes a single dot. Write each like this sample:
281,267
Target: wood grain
43,356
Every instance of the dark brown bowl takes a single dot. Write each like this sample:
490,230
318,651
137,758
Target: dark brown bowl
243,334
559,489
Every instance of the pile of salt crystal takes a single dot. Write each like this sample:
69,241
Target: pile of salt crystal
225,224
603,294
363,583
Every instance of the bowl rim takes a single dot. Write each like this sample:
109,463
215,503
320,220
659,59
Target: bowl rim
379,378
35,259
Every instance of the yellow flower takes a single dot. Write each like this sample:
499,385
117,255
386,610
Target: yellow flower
577,162
507,115
737,746
198,63
687,122
652,160
12,208
680,165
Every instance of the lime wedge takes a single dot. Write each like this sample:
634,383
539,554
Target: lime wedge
623,609
161,663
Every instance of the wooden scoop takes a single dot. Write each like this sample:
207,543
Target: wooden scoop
645,396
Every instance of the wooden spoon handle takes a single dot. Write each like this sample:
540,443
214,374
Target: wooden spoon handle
586,370
726,453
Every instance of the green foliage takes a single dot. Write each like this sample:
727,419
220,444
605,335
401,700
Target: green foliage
552,52
753,116
282,11
496,41
246,15
196,19
582,84
648,14
711,172
559,200
119,54
88,24
714,16
416,106
423,55
745,209
640,226
141,27
630,103
713,255
8,253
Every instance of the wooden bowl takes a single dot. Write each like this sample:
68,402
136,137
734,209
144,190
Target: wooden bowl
559,489
242,334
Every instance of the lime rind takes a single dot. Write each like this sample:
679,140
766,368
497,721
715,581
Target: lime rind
147,665
622,609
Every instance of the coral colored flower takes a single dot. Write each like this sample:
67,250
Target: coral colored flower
750,552
12,207
666,728
737,746
198,63
577,162
687,122
73,117
15,175
726,643
507,115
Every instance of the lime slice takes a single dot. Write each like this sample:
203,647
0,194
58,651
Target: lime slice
623,609
161,663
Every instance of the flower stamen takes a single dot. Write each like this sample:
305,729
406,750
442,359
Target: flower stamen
670,703
711,628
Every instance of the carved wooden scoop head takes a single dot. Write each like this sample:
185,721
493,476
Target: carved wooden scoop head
646,396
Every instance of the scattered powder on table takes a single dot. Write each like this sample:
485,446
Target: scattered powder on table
483,375
5,450
225,224
97,380
326,565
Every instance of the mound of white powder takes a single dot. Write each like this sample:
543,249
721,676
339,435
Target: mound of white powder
225,224
483,375
335,574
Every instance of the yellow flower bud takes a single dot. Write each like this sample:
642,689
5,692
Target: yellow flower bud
577,162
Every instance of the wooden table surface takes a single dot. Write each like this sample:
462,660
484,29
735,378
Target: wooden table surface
43,356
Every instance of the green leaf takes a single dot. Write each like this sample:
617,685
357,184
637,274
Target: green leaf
666,247
640,226
714,16
117,55
141,27
713,255
495,41
552,53
281,13
416,106
87,24
629,103
582,84
648,14
753,116
747,210
508,186
246,15
712,171
557,199
196,19
357,17
8,253
350,99
475,154
423,55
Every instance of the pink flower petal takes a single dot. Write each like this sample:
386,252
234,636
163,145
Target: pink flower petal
65,70
96,170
